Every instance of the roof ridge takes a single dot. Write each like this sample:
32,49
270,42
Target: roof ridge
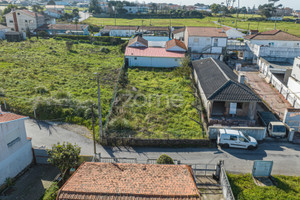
225,75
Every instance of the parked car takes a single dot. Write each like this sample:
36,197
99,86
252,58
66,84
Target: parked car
236,139
274,126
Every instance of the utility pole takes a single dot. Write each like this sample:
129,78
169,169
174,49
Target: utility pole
99,108
93,122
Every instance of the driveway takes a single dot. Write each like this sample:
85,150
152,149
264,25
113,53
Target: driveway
268,93
286,156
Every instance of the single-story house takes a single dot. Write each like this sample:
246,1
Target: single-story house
143,53
119,31
54,13
124,181
225,96
15,147
3,30
60,29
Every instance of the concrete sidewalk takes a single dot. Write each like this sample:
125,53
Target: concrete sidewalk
267,93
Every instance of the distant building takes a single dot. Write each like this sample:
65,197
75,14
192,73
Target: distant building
119,31
143,53
15,147
61,29
124,181
225,96
296,13
136,9
205,42
60,8
20,20
54,13
155,30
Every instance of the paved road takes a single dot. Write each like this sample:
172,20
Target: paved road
286,156
83,16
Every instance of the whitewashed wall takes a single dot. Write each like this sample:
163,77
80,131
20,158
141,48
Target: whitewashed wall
17,155
153,62
277,43
122,33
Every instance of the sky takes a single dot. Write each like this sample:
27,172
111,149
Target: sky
295,4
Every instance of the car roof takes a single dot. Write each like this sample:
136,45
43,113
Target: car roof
229,131
277,123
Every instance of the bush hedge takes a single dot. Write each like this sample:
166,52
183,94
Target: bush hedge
98,40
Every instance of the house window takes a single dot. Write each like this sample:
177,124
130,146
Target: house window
18,13
216,40
31,21
196,40
271,44
176,59
12,29
11,21
13,142
135,58
25,20
239,106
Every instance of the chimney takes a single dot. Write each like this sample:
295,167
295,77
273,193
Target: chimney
242,78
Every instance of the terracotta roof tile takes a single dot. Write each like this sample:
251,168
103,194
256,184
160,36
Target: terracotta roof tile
7,117
174,42
206,32
179,30
273,35
138,39
130,182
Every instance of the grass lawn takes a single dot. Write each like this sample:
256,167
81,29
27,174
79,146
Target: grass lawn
147,22
244,188
159,107
59,83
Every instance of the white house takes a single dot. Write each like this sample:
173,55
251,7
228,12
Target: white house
139,53
54,13
136,9
119,31
3,30
178,34
273,44
60,8
20,20
205,41
15,147
294,81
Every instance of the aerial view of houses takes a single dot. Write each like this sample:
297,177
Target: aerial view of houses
103,99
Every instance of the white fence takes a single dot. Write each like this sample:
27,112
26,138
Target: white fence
282,89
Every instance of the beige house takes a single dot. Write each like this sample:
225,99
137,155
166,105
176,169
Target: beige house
20,20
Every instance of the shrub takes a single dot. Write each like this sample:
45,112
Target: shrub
51,192
69,45
164,159
41,90
2,92
62,95
105,50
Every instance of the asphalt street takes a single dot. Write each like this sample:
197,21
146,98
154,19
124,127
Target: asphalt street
286,156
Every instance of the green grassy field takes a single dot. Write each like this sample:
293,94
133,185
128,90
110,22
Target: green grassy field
59,83
159,107
244,188
207,21
154,22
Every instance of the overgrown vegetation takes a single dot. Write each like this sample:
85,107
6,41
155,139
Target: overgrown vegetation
58,83
155,103
244,188
51,192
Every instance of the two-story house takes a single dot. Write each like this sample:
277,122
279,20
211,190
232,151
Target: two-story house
15,147
273,45
203,42
21,20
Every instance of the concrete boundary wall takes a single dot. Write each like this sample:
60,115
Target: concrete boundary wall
259,133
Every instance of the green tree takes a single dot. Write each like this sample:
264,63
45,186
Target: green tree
64,156
94,7
51,2
215,8
37,8
75,12
9,8
165,159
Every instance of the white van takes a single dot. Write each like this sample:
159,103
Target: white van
235,138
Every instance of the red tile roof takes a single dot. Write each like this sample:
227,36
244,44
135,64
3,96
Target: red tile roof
130,181
179,30
153,52
138,39
7,117
273,35
206,32
173,43
30,13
